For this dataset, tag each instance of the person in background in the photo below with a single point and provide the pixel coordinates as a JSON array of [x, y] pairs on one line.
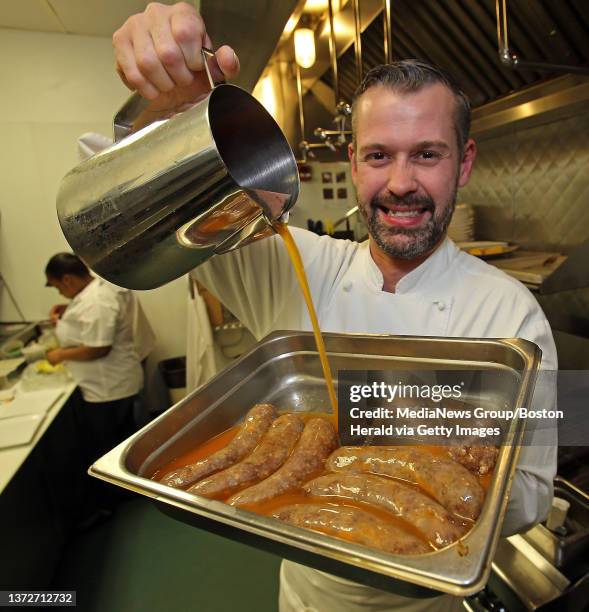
[[95, 333], [411, 151]]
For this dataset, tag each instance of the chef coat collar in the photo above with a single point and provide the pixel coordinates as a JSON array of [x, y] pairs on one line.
[[85, 290], [425, 275]]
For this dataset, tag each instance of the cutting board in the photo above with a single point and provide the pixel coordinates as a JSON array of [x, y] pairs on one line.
[[34, 402], [19, 430], [529, 266]]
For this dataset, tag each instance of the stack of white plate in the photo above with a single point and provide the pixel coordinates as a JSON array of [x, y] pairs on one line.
[[461, 227]]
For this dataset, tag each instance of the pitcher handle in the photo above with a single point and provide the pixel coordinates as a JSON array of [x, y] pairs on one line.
[[209, 53], [136, 104]]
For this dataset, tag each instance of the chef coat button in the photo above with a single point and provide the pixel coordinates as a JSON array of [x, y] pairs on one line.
[[441, 306], [347, 286]]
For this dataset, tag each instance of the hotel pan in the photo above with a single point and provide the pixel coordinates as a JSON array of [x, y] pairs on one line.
[[284, 369]]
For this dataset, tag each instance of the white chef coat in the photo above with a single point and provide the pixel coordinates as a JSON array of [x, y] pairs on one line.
[[450, 294], [143, 335], [100, 316], [200, 352]]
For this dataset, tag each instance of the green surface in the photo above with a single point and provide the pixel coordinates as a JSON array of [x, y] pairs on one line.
[[142, 560]]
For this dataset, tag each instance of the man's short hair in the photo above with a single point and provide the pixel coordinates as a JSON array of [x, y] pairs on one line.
[[410, 76], [65, 263]]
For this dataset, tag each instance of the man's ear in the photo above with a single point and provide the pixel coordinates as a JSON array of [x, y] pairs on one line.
[[353, 162], [470, 153]]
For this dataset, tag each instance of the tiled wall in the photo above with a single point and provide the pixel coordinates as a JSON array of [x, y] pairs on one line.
[[531, 187]]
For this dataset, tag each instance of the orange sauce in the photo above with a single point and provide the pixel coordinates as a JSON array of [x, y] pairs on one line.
[[206, 449], [297, 262], [268, 507]]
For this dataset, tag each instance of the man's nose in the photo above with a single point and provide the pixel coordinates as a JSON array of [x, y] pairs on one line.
[[401, 180]]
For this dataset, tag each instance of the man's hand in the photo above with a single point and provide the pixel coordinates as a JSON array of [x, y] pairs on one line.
[[56, 312], [158, 53], [55, 356]]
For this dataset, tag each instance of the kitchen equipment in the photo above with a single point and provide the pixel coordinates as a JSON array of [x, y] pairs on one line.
[[461, 228], [542, 569], [163, 200], [572, 274], [487, 248], [8, 367], [530, 267], [284, 369], [557, 514], [564, 548]]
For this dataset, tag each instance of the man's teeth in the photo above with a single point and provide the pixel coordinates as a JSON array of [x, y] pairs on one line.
[[405, 213]]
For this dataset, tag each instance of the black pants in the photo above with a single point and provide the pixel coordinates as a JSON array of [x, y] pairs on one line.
[[101, 426]]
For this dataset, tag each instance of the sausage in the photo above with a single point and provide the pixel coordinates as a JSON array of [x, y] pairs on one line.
[[268, 456], [448, 482], [354, 525], [430, 518], [255, 425], [478, 459], [317, 441]]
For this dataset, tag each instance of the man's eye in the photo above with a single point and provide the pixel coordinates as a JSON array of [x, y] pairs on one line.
[[428, 156], [375, 156]]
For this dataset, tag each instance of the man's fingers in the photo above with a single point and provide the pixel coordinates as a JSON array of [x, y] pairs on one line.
[[148, 62], [188, 32], [169, 51], [128, 70], [228, 61], [158, 53]]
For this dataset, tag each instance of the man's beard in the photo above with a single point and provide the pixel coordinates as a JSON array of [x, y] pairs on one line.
[[421, 240]]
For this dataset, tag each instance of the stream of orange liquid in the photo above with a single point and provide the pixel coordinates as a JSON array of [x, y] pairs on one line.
[[297, 262]]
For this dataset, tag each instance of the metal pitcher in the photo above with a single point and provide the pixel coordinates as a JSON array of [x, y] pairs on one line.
[[165, 199]]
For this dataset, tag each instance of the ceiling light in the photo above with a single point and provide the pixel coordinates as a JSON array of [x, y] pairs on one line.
[[304, 42]]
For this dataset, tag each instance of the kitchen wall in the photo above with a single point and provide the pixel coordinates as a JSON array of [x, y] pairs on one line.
[[531, 186], [56, 87], [326, 196]]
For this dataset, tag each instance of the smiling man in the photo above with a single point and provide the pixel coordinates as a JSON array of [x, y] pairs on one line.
[[411, 152], [408, 161]]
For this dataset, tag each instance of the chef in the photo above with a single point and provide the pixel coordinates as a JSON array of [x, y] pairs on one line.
[[410, 153], [95, 333]]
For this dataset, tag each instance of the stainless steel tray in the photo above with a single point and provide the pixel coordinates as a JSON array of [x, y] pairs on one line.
[[284, 369]]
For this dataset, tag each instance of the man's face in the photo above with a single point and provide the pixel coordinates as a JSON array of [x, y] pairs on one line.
[[406, 167], [64, 285]]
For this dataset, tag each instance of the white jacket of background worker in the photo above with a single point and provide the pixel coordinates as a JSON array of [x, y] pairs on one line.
[[451, 294]]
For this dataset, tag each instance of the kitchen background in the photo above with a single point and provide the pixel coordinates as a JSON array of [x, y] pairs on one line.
[[530, 187]]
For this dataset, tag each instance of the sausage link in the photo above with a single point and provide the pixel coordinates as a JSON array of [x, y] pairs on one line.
[[448, 482], [478, 459], [354, 525], [427, 516], [256, 423], [267, 457], [317, 441]]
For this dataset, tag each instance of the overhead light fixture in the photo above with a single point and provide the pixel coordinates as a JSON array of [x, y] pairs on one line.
[[320, 6], [304, 43]]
